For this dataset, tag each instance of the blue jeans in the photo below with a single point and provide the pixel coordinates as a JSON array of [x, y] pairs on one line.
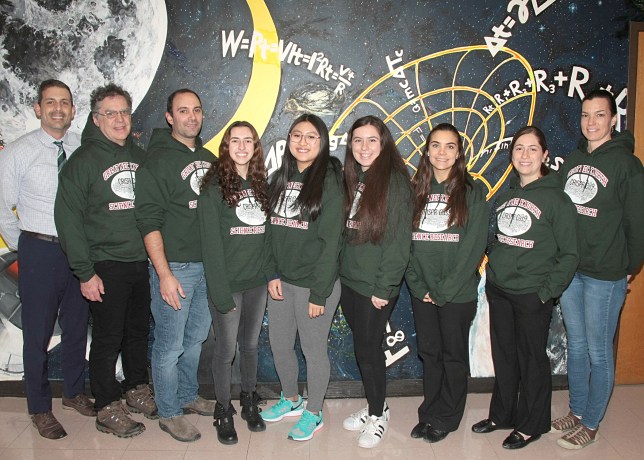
[[591, 309], [178, 336]]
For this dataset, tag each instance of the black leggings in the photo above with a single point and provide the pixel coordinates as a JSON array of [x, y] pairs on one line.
[[368, 326]]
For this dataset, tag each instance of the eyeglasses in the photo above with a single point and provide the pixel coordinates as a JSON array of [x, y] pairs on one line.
[[308, 138], [112, 114]]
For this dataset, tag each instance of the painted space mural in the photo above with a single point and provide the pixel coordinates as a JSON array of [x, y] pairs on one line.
[[487, 66]]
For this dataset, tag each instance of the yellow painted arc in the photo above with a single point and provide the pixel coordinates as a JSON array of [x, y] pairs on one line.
[[264, 85]]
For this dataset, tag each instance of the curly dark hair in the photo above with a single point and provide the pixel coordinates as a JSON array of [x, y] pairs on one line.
[[226, 174]]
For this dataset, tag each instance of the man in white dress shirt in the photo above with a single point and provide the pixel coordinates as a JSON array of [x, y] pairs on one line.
[[48, 289]]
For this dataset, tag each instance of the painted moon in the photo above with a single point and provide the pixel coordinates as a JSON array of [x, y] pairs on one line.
[[85, 43]]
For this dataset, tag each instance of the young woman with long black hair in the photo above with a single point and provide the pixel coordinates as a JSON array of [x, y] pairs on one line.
[[306, 226], [232, 209], [374, 257], [449, 239]]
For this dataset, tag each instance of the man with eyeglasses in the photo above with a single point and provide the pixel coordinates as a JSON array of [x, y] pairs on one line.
[[94, 214], [28, 183], [166, 213]]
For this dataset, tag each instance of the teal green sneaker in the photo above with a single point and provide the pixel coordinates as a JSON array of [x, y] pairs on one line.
[[308, 425], [284, 408]]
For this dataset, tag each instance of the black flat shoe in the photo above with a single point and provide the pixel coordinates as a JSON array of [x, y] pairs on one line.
[[516, 441], [420, 430], [484, 426], [434, 435]]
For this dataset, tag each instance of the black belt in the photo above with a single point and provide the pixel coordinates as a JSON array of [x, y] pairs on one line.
[[40, 236]]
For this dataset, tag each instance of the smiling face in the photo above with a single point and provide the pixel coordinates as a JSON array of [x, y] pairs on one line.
[[186, 118], [241, 148], [365, 145], [55, 111], [116, 129], [527, 157], [597, 121], [304, 144], [442, 152]]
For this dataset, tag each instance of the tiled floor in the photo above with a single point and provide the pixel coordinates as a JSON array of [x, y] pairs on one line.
[[621, 436]]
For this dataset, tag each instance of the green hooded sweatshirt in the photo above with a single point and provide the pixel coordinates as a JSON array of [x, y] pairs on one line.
[[444, 260], [607, 187], [94, 209], [377, 269], [167, 192], [306, 251], [536, 247], [235, 243]]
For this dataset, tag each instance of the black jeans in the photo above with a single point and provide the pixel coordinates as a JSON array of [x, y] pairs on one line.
[[121, 323], [368, 326], [519, 326], [443, 334]]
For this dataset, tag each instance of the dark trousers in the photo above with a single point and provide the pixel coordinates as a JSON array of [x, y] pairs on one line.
[[442, 334], [519, 325], [49, 290], [368, 326], [120, 325]]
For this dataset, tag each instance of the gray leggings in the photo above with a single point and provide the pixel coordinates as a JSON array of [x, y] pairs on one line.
[[285, 319], [243, 325]]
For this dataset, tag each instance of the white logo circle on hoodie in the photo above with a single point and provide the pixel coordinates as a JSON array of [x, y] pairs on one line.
[[434, 218], [123, 184], [249, 211], [581, 188], [195, 179], [285, 206], [514, 221]]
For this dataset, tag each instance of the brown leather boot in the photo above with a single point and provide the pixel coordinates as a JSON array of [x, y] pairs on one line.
[[115, 419], [141, 400], [47, 425]]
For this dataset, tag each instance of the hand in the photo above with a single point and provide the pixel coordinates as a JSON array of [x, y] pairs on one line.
[[315, 310], [427, 298], [170, 287], [629, 278], [92, 289], [275, 289], [378, 302]]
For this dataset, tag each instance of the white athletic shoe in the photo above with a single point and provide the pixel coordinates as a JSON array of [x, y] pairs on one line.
[[357, 420], [373, 432]]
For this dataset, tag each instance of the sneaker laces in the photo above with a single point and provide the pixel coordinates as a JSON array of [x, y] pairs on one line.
[[373, 427]]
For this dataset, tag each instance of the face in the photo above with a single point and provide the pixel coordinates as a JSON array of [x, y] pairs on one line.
[[365, 145], [116, 129], [527, 157], [186, 118], [241, 147], [55, 111], [597, 121], [443, 152], [304, 143]]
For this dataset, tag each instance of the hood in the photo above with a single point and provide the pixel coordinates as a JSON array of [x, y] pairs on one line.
[[623, 141], [551, 180], [162, 139]]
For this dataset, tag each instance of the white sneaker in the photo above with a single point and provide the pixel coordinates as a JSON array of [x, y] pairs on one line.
[[356, 421], [373, 432]]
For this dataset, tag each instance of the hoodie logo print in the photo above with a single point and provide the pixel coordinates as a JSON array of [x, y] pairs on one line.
[[249, 210], [285, 207], [435, 217]]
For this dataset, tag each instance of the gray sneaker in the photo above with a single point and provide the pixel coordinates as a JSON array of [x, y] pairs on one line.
[[115, 419], [200, 406], [140, 400], [180, 428]]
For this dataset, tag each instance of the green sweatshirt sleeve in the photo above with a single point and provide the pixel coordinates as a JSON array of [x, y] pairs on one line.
[[74, 184], [567, 258], [469, 253], [269, 267], [151, 199], [633, 220], [396, 245], [329, 235], [212, 248], [414, 283]]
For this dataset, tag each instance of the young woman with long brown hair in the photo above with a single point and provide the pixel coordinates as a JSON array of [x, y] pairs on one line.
[[450, 232], [374, 256], [232, 210]]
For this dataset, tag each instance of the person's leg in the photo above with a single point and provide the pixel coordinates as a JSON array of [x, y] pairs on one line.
[[253, 306], [532, 319], [455, 320], [503, 404], [226, 326]]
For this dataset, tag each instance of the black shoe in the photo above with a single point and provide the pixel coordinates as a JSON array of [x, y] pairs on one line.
[[434, 435], [250, 412], [420, 430], [225, 424], [484, 426], [516, 441]]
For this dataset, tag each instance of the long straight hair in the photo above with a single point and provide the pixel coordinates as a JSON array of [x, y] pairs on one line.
[[372, 209], [228, 179], [309, 201], [455, 187]]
